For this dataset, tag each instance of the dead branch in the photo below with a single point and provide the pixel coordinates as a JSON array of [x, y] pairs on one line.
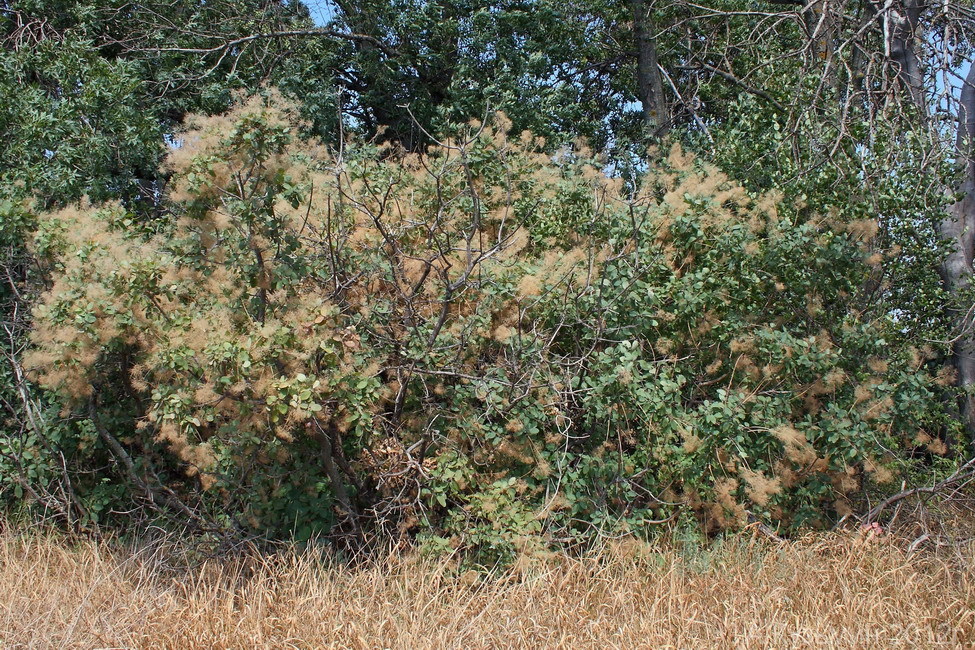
[[963, 473], [292, 33]]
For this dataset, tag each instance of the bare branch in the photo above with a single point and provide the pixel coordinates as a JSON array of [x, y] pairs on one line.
[[294, 33]]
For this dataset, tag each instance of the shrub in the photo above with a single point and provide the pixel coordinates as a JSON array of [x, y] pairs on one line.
[[485, 346]]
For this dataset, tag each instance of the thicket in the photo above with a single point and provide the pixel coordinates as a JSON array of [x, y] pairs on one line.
[[486, 346]]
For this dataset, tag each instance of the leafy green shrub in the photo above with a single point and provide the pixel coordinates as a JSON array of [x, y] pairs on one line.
[[485, 346]]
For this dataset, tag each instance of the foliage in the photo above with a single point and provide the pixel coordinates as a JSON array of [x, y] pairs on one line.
[[307, 321], [88, 100], [76, 127], [485, 345], [555, 68]]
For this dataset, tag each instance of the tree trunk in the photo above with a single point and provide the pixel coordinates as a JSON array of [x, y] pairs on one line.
[[958, 230], [901, 24], [650, 86]]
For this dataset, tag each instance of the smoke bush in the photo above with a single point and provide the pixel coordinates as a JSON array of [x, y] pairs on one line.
[[484, 346]]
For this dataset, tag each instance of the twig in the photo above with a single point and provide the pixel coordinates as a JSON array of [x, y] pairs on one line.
[[228, 45], [964, 472], [153, 494]]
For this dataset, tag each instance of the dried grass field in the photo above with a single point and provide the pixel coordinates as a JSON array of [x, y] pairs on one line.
[[823, 592]]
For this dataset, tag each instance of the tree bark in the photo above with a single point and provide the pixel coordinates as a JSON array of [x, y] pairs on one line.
[[901, 24], [958, 230], [650, 85]]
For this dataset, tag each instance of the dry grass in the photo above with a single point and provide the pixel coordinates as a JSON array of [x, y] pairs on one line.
[[825, 592]]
